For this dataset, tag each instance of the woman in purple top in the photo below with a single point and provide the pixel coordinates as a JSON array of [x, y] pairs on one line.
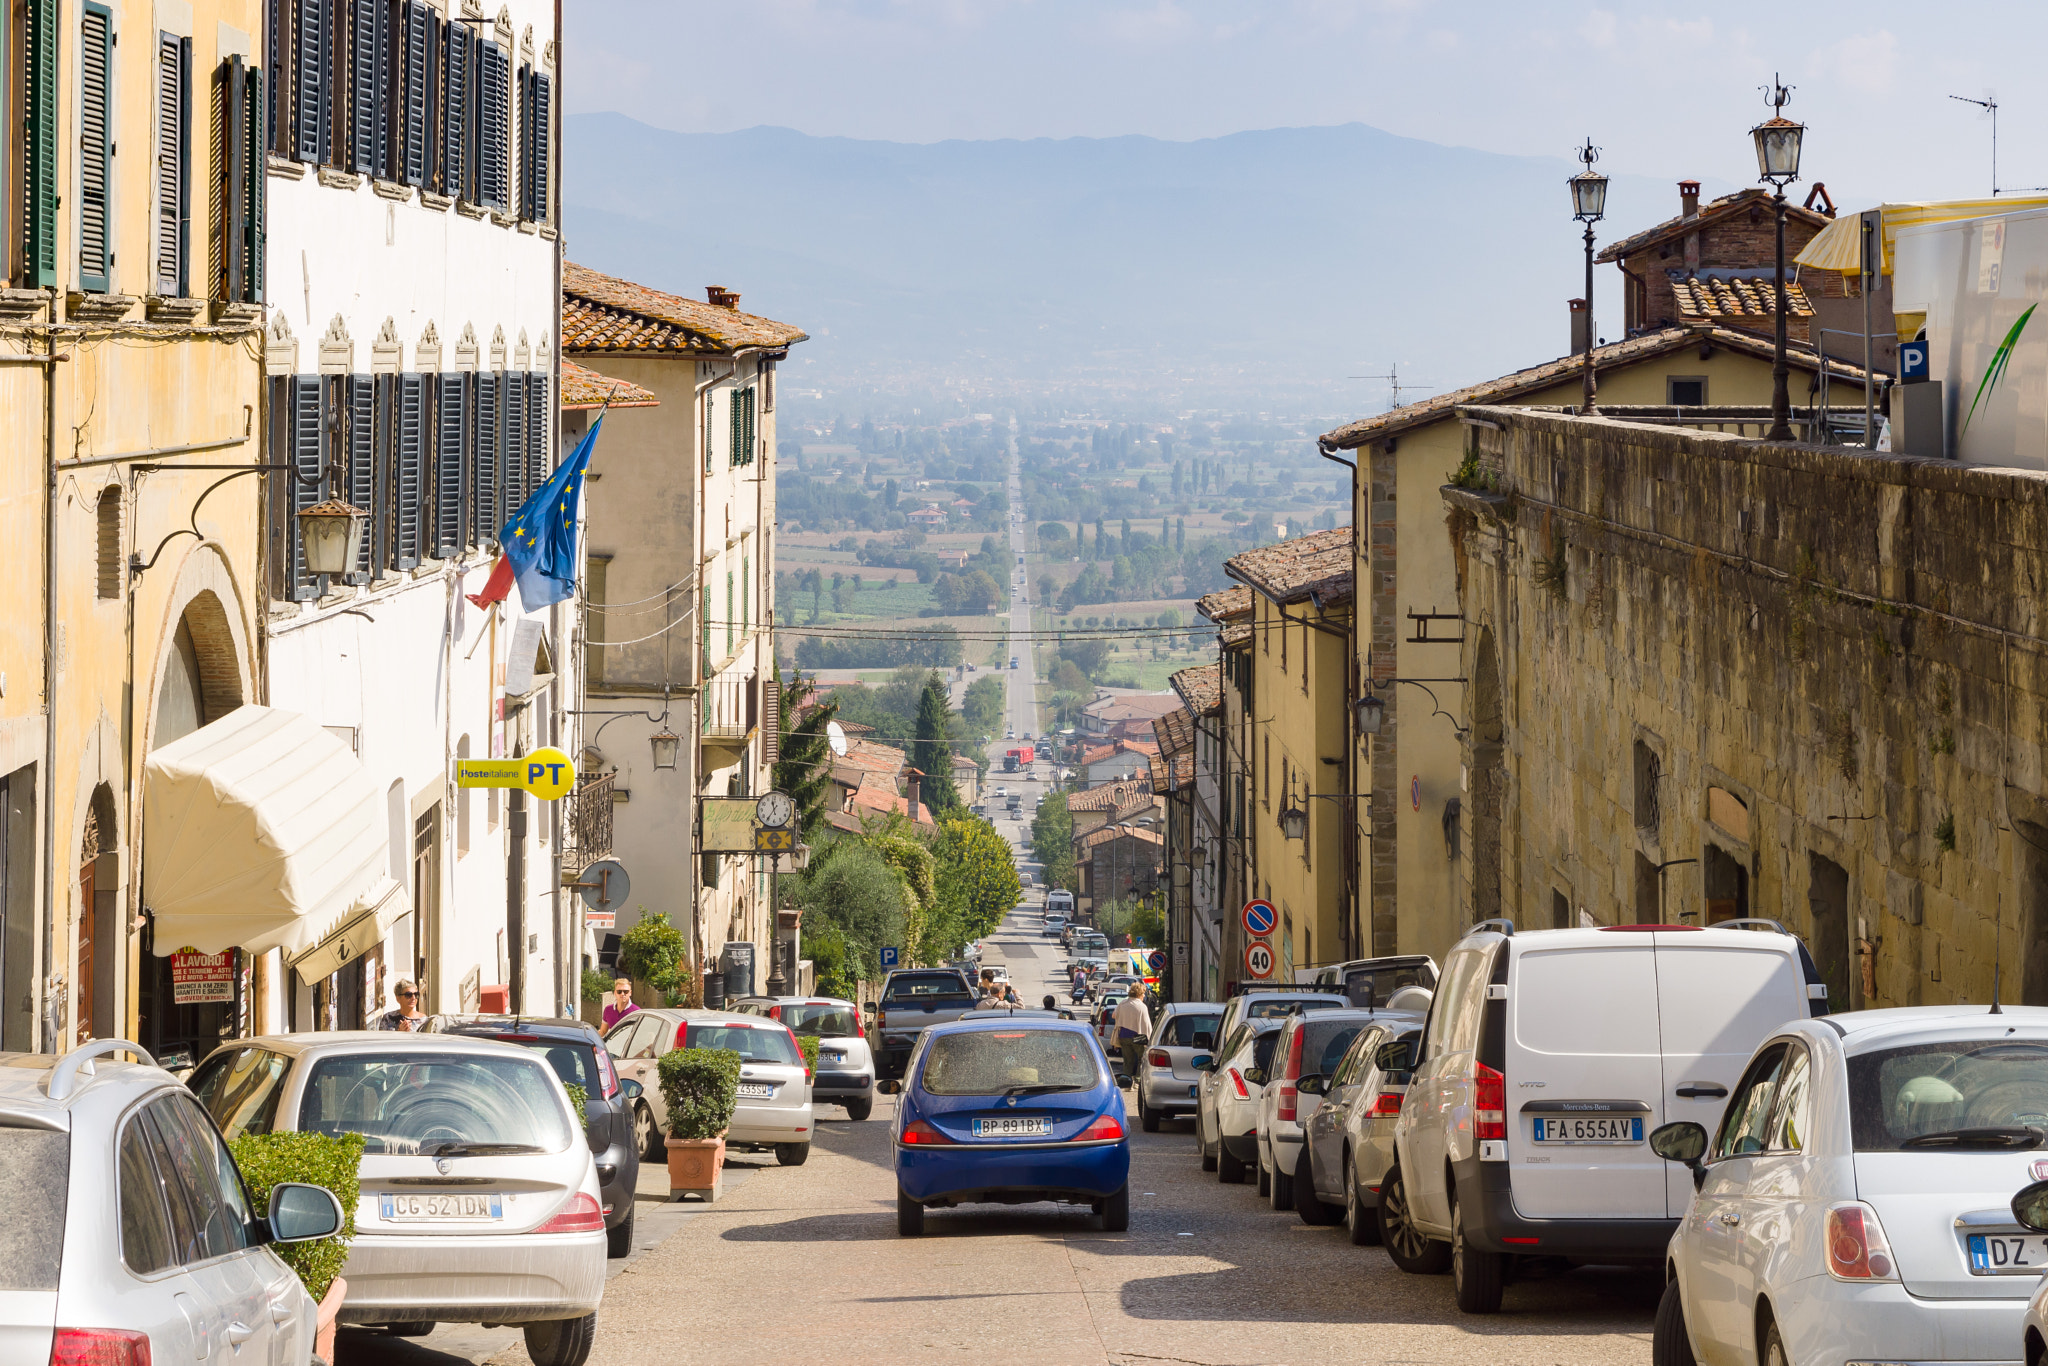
[[621, 1004]]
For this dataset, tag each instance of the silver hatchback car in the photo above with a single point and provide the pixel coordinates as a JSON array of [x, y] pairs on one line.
[[480, 1199], [128, 1223], [1167, 1081], [774, 1110]]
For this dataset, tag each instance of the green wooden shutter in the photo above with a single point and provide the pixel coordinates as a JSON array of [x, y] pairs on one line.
[[735, 422], [746, 594], [39, 148], [254, 192], [95, 74], [171, 212], [728, 612]]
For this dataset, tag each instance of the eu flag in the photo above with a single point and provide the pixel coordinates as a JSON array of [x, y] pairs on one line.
[[540, 539]]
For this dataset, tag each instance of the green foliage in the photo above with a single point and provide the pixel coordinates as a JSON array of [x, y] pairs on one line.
[[1467, 475], [1945, 833], [578, 1097], [808, 1044], [1052, 841], [701, 1087], [825, 945], [972, 594], [595, 984], [976, 862], [982, 706], [930, 753], [325, 1160], [657, 953], [851, 889], [804, 766]]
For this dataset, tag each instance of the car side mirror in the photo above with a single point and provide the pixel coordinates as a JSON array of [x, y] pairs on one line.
[[1314, 1085], [867, 1007], [1398, 1056], [1203, 1062], [630, 1089], [299, 1213], [889, 1088], [1123, 1079], [1204, 1040], [1683, 1141], [2030, 1207], [1255, 1075]]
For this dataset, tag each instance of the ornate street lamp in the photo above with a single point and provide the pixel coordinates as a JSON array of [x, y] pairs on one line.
[[1371, 712], [1294, 823], [666, 744], [1777, 162], [332, 534], [1589, 206]]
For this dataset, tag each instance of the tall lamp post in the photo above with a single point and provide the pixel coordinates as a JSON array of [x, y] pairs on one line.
[[1589, 206], [1777, 162]]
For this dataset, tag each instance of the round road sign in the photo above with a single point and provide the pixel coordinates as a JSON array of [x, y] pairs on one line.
[[1157, 960], [1258, 960], [604, 885], [1260, 918]]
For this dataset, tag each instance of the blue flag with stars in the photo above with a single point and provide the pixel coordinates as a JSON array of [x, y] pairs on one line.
[[540, 539]]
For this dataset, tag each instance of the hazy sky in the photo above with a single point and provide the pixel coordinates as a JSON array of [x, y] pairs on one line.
[[1665, 89]]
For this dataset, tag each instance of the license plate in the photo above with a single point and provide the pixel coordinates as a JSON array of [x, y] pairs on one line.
[[468, 1206], [755, 1090], [1589, 1129], [1012, 1128], [2008, 1254], [1192, 1091]]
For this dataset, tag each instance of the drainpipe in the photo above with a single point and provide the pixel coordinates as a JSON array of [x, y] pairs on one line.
[[49, 783], [695, 647], [515, 896]]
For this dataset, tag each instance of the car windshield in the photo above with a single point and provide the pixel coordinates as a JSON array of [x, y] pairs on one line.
[[1975, 1093], [1179, 1030], [35, 1171], [420, 1103], [991, 1062], [821, 1021], [573, 1062], [1370, 988], [1323, 1044], [1278, 1007], [927, 986], [1262, 1049], [751, 1043]]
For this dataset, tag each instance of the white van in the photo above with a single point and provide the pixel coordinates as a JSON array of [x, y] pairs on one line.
[[1547, 1060]]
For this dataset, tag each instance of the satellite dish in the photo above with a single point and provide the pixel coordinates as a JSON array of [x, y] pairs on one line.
[[835, 735]]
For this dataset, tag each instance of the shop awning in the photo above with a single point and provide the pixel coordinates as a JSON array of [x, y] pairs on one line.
[[1839, 245], [261, 831]]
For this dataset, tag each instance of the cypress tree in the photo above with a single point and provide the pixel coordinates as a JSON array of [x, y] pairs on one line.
[[930, 753]]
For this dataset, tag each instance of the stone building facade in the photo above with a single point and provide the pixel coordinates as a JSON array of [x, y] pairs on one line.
[[1715, 678]]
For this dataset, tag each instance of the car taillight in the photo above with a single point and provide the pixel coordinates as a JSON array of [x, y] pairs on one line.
[[774, 1012], [1104, 1127], [881, 1020], [1157, 1057], [1288, 1100], [1238, 1082], [607, 1074], [1489, 1103], [1293, 1071], [1857, 1250], [581, 1215], [917, 1131], [1386, 1103], [99, 1347], [799, 1051]]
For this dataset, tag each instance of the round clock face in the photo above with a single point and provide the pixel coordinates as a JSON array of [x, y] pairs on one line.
[[775, 810]]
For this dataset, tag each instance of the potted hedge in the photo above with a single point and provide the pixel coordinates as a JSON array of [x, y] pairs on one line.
[[700, 1087], [267, 1160]]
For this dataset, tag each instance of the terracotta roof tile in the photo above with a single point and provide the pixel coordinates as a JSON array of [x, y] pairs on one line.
[[1108, 796], [1681, 226], [1317, 565], [1201, 688], [1174, 731], [584, 389], [1235, 635], [604, 315], [1739, 297], [1109, 833], [1225, 604]]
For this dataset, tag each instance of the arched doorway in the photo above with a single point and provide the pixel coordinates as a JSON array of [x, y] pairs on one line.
[[99, 918], [201, 678]]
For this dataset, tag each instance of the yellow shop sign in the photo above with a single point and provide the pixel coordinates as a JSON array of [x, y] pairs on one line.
[[547, 773]]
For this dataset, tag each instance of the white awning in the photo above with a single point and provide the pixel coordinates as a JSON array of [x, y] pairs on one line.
[[261, 831]]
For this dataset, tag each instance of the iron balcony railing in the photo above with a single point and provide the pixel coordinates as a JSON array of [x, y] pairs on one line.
[[589, 819]]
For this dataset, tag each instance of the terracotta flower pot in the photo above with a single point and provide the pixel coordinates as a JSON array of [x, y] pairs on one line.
[[330, 1307], [696, 1166]]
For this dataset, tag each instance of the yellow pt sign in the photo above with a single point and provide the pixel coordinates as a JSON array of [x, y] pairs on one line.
[[547, 773]]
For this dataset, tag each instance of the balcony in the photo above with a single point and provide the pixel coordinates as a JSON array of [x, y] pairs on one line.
[[587, 821], [728, 717]]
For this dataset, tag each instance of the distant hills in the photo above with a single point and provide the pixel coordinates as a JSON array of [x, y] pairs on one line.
[[1251, 272]]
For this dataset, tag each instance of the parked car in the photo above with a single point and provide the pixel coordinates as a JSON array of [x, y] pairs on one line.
[[1855, 1201], [1311, 1045], [1370, 983], [1272, 1003], [773, 1113], [1227, 1098], [1167, 1081], [1012, 1110], [1627, 1027], [1055, 922], [480, 1201], [100, 1156], [576, 1052], [1351, 1134], [846, 1064], [1061, 900], [912, 1000]]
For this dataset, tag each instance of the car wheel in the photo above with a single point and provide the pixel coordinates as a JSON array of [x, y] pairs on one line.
[[1229, 1169], [618, 1239], [1279, 1185], [410, 1330], [1475, 1275], [909, 1215], [857, 1110], [1265, 1178], [1310, 1206], [1202, 1147], [1670, 1344], [561, 1342], [1360, 1221], [648, 1136], [1410, 1248], [1773, 1352], [1116, 1211], [1148, 1119], [792, 1154]]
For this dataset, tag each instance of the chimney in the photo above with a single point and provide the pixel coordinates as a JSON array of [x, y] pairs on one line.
[[721, 297], [1689, 198], [1582, 327], [910, 777]]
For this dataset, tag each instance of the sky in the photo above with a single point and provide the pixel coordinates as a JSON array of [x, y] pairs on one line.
[[1663, 89]]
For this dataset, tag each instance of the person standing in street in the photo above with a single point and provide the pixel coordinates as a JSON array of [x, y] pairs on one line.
[[1133, 1025], [408, 1018], [621, 1005]]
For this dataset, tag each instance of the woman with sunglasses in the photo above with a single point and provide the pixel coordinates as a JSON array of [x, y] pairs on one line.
[[408, 1018], [621, 1004]]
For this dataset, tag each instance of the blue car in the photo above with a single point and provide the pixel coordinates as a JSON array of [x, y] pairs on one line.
[[1010, 1110]]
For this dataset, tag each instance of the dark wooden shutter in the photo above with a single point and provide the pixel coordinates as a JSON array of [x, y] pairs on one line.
[[410, 525], [483, 483], [231, 210], [40, 114], [735, 423], [173, 101], [255, 187], [541, 141], [277, 46], [371, 54], [455, 112], [771, 721], [522, 190], [449, 504], [537, 425], [494, 73], [308, 456], [362, 468], [313, 103], [417, 107], [95, 69], [512, 443], [747, 427]]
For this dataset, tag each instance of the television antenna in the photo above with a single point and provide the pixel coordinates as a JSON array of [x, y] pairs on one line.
[[1987, 110], [1393, 381]]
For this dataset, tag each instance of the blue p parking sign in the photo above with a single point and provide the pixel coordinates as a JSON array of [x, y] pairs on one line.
[[889, 957], [1912, 362]]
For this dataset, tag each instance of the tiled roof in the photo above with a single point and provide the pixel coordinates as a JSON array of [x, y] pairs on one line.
[[1141, 706], [1108, 796], [1172, 773], [584, 389], [1225, 604], [1174, 731], [603, 315], [1611, 356], [1099, 753], [1751, 297], [1109, 833], [1739, 202], [1201, 688], [1234, 636], [1317, 565]]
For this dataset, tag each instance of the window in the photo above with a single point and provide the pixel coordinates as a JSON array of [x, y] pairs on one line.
[[746, 595], [513, 429], [239, 268], [312, 104], [484, 486], [240, 1089], [1743, 1124], [173, 136], [39, 154], [95, 147], [536, 105], [741, 420], [412, 83], [367, 486], [728, 612], [451, 434], [1689, 391], [109, 519], [369, 87], [407, 397], [1648, 771], [208, 1208], [1920, 1093], [458, 117], [1266, 775], [400, 1102], [298, 435], [710, 412], [1793, 1119], [145, 1224], [493, 125]]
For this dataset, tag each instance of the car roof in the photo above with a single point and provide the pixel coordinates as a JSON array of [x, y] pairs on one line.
[[1393, 1019], [691, 1015], [988, 1020], [25, 1080], [374, 1041], [562, 1029], [801, 1001], [1865, 1031], [1621, 936], [1187, 1007]]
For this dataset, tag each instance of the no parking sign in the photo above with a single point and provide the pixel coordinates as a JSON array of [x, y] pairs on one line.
[[1260, 918]]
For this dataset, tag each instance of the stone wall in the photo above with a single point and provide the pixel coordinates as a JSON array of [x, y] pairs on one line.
[[1768, 680]]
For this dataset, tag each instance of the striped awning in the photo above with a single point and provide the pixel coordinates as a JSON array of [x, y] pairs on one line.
[[1839, 245]]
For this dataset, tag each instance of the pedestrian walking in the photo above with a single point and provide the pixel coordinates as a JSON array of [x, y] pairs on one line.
[[1133, 1025], [408, 1018], [621, 1004]]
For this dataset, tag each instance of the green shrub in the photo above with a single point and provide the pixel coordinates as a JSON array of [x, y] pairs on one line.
[[809, 1045], [596, 985], [700, 1086], [578, 1098], [268, 1160], [656, 952]]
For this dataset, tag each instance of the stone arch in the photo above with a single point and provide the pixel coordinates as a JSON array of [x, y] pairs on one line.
[[203, 637]]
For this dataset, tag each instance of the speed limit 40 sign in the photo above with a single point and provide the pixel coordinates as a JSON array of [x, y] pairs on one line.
[[1258, 959]]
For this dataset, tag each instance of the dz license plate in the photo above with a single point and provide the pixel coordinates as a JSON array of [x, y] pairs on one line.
[[755, 1090], [471, 1207], [2008, 1254], [1589, 1129], [1012, 1128]]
